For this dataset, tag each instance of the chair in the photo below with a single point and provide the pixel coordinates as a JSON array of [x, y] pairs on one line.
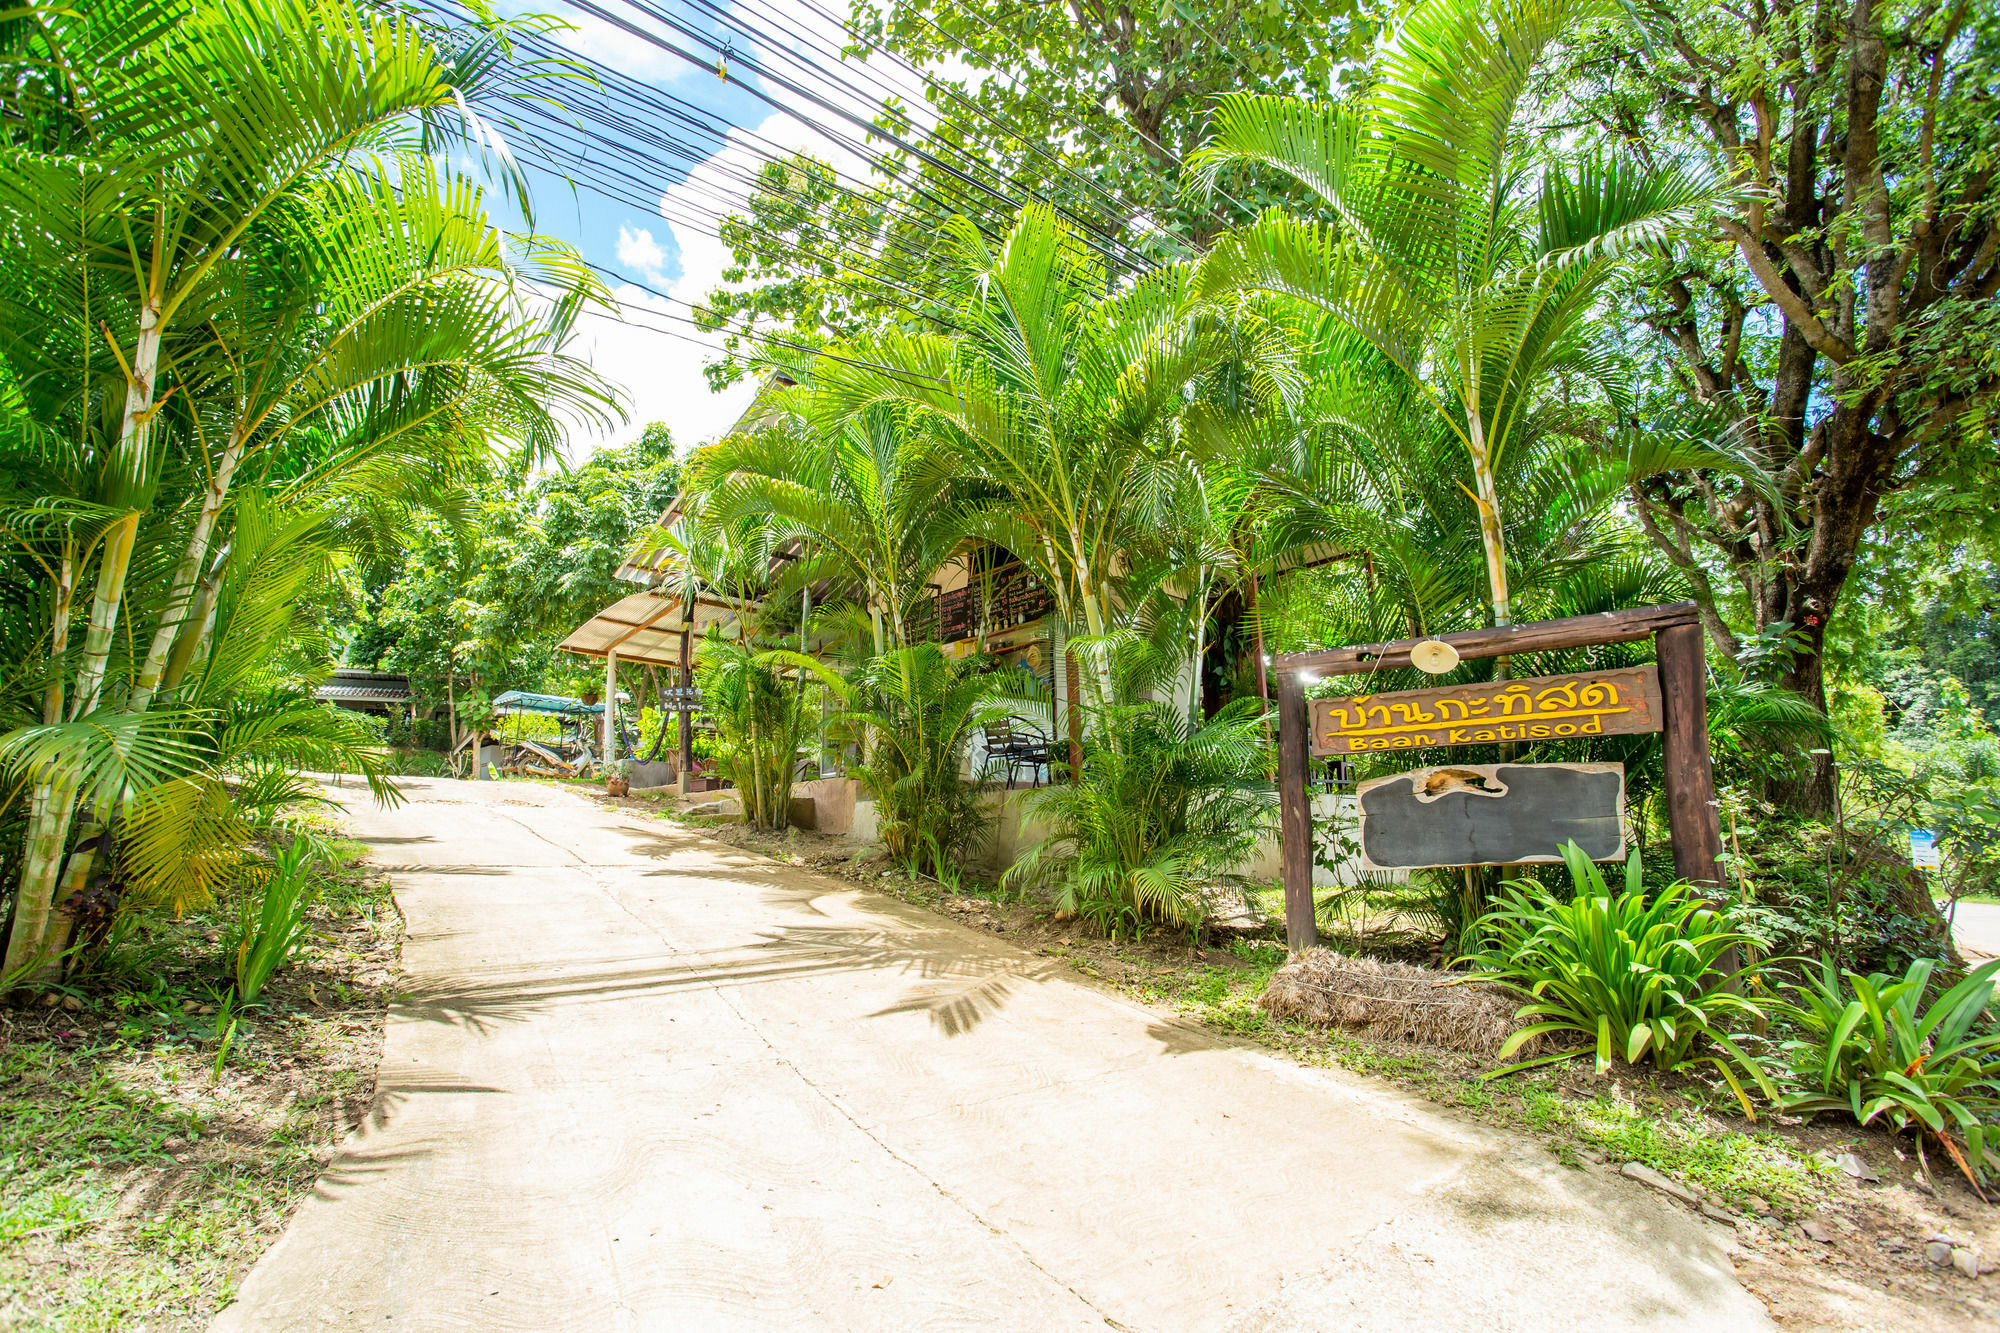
[[1014, 744]]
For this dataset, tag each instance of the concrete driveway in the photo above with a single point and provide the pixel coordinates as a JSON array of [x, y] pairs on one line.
[[644, 1081], [1975, 927]]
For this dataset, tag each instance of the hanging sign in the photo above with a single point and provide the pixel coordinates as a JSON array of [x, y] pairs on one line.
[[1491, 814], [1589, 703], [1924, 854]]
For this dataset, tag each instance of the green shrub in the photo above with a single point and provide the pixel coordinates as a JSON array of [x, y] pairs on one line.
[[271, 919], [917, 710], [1866, 1050], [1161, 808], [762, 720], [1634, 974]]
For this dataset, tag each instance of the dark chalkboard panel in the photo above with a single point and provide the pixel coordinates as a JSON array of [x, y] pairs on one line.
[[1492, 814]]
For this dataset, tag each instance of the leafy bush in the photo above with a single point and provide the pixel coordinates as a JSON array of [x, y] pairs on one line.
[[761, 719], [1161, 808], [271, 919], [424, 733], [917, 710], [1634, 973], [1866, 1050]]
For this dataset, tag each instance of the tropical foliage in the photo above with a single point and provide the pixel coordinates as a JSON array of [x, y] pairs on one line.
[[762, 717], [1870, 1047], [1639, 976], [248, 319], [1163, 806], [916, 712]]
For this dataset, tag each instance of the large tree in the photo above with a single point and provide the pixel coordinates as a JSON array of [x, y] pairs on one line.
[[1441, 233], [1839, 316], [1087, 106]]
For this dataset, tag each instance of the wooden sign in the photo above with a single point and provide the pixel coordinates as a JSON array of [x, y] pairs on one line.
[[1590, 703], [1491, 814]]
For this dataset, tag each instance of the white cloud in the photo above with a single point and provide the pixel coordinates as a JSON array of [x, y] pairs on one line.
[[648, 354], [608, 44], [658, 366], [638, 250]]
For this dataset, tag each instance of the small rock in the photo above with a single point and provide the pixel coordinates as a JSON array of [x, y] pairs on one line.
[[1965, 1261], [1646, 1175], [51, 1000], [1938, 1253], [1591, 1155], [1817, 1229], [71, 1003], [189, 1006], [1759, 1206], [1852, 1164], [1722, 1215], [174, 1145], [181, 1157], [206, 1010]]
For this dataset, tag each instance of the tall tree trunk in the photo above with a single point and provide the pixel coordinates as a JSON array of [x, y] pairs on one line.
[[52, 810], [179, 598]]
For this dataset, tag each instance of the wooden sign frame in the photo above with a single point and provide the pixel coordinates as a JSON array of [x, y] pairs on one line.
[[1623, 702], [1694, 826]]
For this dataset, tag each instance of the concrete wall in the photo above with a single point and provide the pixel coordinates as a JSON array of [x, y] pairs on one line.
[[833, 801], [1268, 863], [1014, 831]]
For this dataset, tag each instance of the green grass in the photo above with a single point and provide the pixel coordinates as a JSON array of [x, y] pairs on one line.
[[1684, 1143], [79, 1128], [100, 1227]]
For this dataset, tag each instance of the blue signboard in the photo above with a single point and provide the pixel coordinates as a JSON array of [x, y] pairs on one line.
[[1924, 853]]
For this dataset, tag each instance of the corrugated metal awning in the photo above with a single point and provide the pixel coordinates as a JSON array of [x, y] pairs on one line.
[[353, 685], [646, 627]]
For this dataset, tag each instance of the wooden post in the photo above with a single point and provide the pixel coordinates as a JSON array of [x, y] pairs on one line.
[[1295, 812], [685, 714], [610, 705], [1693, 818]]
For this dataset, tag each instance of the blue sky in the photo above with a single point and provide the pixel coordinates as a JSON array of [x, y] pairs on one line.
[[659, 373]]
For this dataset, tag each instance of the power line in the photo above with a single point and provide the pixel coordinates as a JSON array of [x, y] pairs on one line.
[[867, 128]]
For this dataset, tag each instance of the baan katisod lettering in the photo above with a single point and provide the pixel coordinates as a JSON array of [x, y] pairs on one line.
[[1519, 731]]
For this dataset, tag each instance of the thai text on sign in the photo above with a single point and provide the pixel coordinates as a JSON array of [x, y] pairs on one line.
[[1538, 708]]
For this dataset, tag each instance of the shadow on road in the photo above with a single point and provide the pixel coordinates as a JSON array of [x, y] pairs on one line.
[[790, 954]]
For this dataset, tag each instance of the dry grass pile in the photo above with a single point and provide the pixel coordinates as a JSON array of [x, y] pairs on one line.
[[1393, 1001]]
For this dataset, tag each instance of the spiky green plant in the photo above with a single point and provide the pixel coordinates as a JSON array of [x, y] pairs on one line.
[[1870, 1049], [1163, 805], [271, 918], [1634, 973]]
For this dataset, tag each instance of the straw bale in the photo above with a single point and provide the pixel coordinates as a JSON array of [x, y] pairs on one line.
[[1394, 1001]]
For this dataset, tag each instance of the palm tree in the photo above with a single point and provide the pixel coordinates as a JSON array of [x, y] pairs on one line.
[[864, 488], [206, 263], [1051, 393], [1450, 244]]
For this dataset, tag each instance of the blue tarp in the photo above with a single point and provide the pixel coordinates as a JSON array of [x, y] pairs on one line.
[[520, 701]]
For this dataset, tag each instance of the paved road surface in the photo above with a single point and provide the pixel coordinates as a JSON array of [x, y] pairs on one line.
[[645, 1081], [1976, 928]]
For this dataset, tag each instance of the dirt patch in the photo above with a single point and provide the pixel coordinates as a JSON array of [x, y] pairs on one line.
[[1393, 1001], [147, 1159]]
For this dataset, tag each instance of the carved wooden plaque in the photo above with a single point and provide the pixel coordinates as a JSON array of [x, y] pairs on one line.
[[1590, 703], [1491, 814]]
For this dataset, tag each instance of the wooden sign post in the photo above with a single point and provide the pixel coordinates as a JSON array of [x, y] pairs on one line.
[[1672, 699]]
